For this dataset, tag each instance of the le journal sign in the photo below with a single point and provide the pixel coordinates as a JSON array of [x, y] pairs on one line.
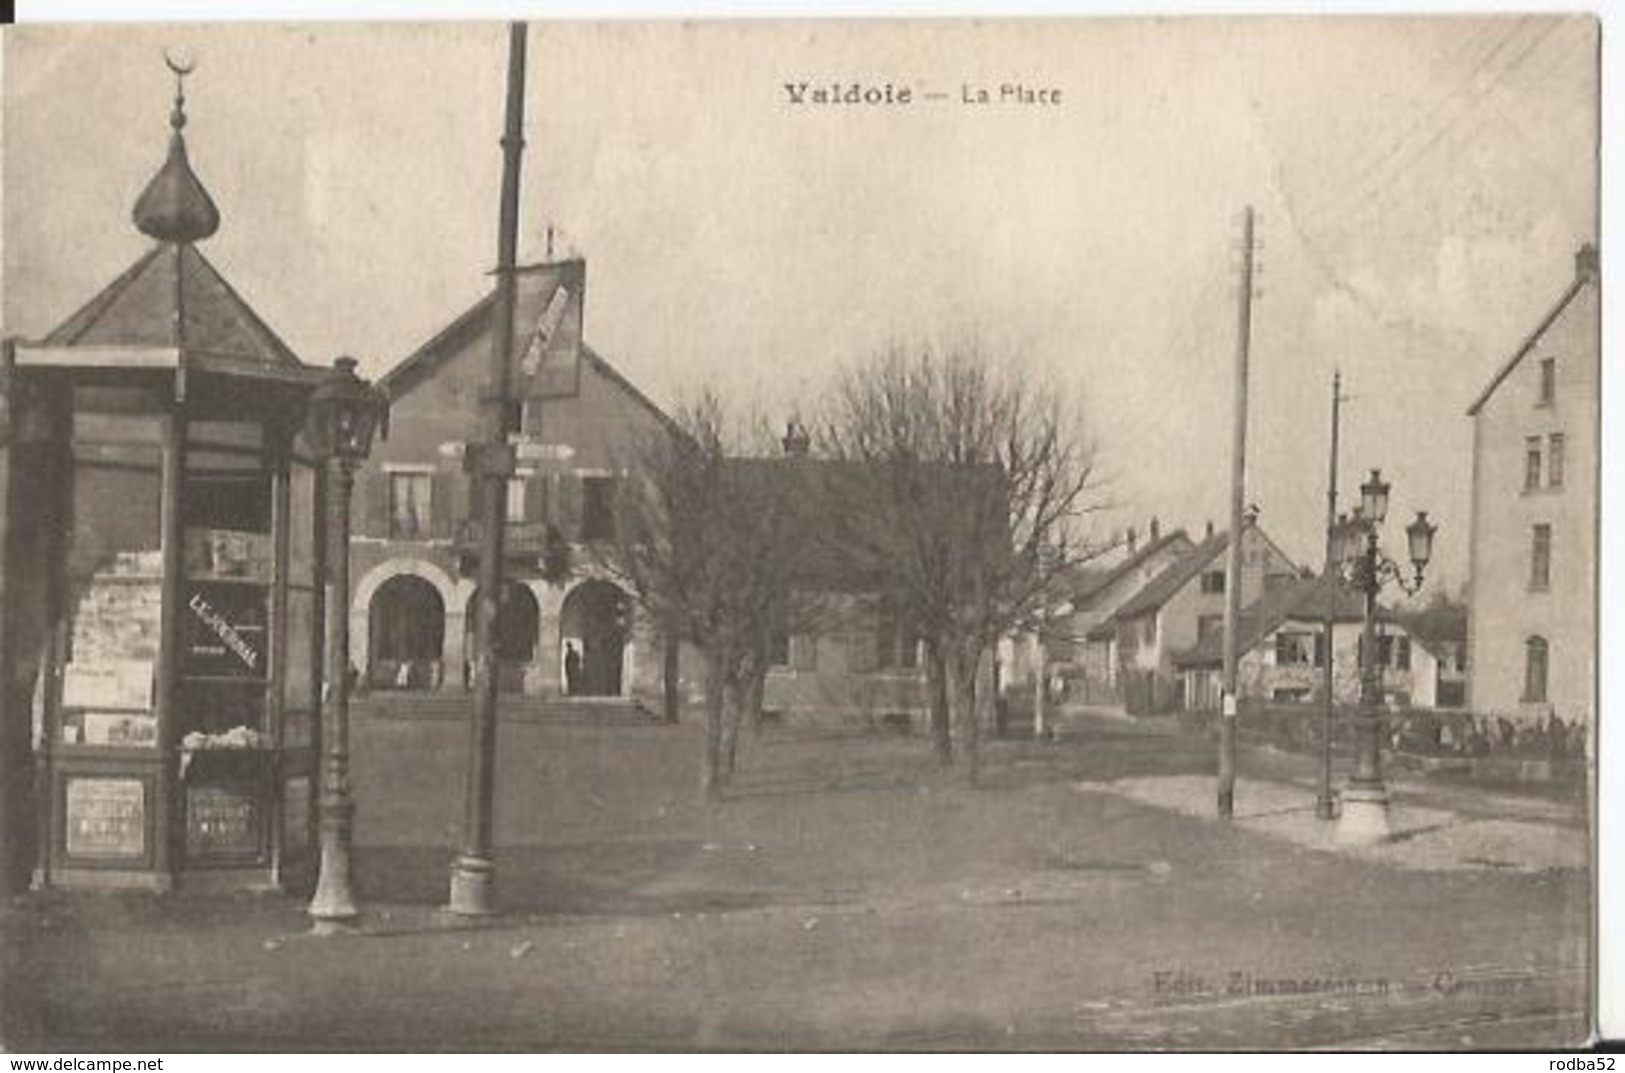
[[881, 95]]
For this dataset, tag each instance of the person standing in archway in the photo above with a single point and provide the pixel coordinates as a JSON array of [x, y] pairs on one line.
[[572, 668]]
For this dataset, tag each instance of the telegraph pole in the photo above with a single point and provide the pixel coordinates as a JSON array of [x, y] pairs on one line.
[[1238, 488], [1325, 802], [490, 465]]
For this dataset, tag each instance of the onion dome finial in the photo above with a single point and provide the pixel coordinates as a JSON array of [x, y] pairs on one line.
[[175, 207]]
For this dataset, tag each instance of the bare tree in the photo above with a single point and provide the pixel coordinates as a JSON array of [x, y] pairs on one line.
[[708, 537], [967, 488]]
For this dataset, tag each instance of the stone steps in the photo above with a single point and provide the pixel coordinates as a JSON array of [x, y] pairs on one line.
[[403, 705]]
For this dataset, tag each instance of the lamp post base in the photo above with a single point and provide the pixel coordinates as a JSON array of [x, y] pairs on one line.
[[333, 905], [473, 886], [1364, 820]]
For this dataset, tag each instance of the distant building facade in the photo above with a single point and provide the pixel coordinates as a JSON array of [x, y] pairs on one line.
[[414, 549], [1281, 651], [579, 633], [1179, 607], [855, 657], [1086, 644], [1531, 636], [1439, 655]]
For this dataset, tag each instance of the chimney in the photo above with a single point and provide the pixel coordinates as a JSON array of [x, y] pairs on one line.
[[1585, 263], [796, 440], [1156, 529], [1132, 537], [1210, 528]]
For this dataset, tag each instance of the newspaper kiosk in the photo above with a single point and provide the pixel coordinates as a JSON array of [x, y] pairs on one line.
[[176, 715]]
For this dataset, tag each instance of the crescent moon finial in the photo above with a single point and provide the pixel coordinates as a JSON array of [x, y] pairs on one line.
[[177, 116], [181, 69]]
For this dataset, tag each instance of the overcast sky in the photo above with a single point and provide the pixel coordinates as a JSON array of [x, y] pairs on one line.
[[1421, 185]]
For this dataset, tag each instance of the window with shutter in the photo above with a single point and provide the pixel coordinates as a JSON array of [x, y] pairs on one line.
[[1536, 656], [372, 494], [535, 499], [597, 508], [1540, 556], [516, 499], [569, 503], [444, 492]]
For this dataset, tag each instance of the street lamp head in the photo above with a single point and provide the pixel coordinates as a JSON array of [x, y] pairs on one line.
[[344, 412], [1374, 498], [1419, 534]]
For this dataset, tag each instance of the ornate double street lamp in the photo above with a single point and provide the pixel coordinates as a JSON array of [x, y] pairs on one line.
[[344, 411], [1362, 564]]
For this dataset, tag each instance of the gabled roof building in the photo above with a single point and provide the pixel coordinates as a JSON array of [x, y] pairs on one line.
[[1179, 606], [1531, 629]]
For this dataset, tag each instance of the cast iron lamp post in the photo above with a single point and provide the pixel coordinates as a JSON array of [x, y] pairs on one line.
[[1364, 819], [343, 414]]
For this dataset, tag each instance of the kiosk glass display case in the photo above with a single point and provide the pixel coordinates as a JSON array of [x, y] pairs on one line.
[[178, 713]]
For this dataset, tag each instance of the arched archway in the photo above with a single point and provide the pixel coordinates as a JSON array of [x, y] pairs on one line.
[[406, 632], [519, 623], [361, 617], [595, 624]]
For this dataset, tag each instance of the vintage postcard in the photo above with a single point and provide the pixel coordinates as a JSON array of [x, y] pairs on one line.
[[893, 535]]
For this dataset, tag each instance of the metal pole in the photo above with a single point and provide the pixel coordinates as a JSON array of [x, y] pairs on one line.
[[1041, 680], [15, 746], [1325, 803], [171, 500], [1238, 485], [473, 874], [333, 904], [1364, 819]]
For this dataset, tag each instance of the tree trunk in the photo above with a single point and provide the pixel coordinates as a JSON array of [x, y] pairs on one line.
[[716, 686], [961, 681], [671, 683], [936, 684], [755, 691], [734, 717]]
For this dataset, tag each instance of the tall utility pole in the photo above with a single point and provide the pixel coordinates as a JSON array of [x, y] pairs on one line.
[[1325, 802], [490, 465], [1041, 681], [1238, 489]]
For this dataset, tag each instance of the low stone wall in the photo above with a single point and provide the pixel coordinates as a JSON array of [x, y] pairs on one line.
[[1432, 741]]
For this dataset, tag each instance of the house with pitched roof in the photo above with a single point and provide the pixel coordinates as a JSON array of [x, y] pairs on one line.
[[1438, 655], [844, 651], [1178, 607], [1281, 650], [1079, 648], [1532, 626]]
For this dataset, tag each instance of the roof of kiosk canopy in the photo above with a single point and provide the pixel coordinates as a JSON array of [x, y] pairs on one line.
[[171, 310]]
